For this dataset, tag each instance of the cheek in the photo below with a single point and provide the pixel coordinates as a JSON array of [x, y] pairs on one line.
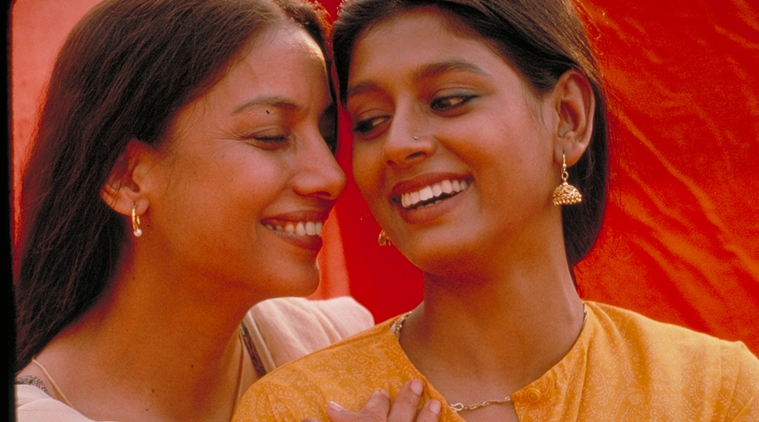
[[366, 163], [237, 184]]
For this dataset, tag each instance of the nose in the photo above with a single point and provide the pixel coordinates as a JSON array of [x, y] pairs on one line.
[[317, 172], [407, 141]]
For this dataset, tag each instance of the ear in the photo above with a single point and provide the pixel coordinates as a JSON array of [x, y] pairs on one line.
[[575, 106], [125, 186]]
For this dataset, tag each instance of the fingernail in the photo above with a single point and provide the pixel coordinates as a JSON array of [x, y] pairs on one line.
[[435, 406], [417, 387], [334, 406]]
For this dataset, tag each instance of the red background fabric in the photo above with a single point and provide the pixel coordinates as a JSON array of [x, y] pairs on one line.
[[681, 237]]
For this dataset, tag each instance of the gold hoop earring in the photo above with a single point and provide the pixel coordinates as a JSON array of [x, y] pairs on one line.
[[136, 222], [383, 239], [566, 194]]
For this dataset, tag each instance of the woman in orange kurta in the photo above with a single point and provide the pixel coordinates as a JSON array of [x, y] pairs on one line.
[[480, 145]]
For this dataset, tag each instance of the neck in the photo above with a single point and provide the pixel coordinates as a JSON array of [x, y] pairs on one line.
[[151, 344], [492, 335]]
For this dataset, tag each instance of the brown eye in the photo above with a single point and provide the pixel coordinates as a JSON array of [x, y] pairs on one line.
[[447, 103], [367, 125]]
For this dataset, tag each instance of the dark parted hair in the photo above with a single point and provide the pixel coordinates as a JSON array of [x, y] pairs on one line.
[[542, 39], [124, 73]]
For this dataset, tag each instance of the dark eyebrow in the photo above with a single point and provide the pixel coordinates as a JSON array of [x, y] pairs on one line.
[[430, 70], [361, 88], [278, 102]]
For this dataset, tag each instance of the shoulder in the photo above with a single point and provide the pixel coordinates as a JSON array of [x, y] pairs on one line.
[[346, 372], [285, 329], [342, 316], [33, 405], [342, 358], [717, 374], [627, 329]]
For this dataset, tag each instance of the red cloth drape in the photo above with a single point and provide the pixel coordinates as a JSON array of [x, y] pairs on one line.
[[681, 236]]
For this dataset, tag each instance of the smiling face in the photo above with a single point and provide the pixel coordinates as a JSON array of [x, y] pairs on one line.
[[452, 149], [245, 179]]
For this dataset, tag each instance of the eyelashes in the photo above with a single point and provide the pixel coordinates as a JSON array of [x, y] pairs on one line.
[[270, 139], [450, 102], [445, 106], [367, 125]]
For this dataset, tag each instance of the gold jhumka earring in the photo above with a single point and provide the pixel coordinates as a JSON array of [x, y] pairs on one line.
[[566, 194]]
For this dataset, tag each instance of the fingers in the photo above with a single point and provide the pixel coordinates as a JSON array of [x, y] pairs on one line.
[[378, 408], [375, 410], [406, 402], [430, 412]]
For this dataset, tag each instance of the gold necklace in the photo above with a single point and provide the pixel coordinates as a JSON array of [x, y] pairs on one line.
[[457, 407], [57, 389]]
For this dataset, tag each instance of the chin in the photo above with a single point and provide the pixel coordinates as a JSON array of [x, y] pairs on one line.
[[439, 259], [445, 255], [287, 279], [304, 283]]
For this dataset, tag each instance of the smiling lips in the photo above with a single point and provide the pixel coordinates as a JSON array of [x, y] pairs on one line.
[[432, 194], [300, 228], [428, 195]]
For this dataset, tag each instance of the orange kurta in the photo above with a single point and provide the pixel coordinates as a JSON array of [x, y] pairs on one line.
[[623, 367]]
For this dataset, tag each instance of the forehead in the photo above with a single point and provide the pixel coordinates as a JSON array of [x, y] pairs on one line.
[[416, 37], [425, 33], [283, 62], [282, 69], [284, 37]]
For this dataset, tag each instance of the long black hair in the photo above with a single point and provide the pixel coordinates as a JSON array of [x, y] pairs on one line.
[[124, 72]]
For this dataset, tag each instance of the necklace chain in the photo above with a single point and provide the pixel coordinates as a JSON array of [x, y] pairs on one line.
[[458, 407]]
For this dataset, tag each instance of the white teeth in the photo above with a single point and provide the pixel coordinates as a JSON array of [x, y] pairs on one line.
[[446, 185], [412, 199], [425, 193], [300, 228]]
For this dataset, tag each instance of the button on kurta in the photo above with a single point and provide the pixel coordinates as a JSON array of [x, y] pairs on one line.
[[533, 395]]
